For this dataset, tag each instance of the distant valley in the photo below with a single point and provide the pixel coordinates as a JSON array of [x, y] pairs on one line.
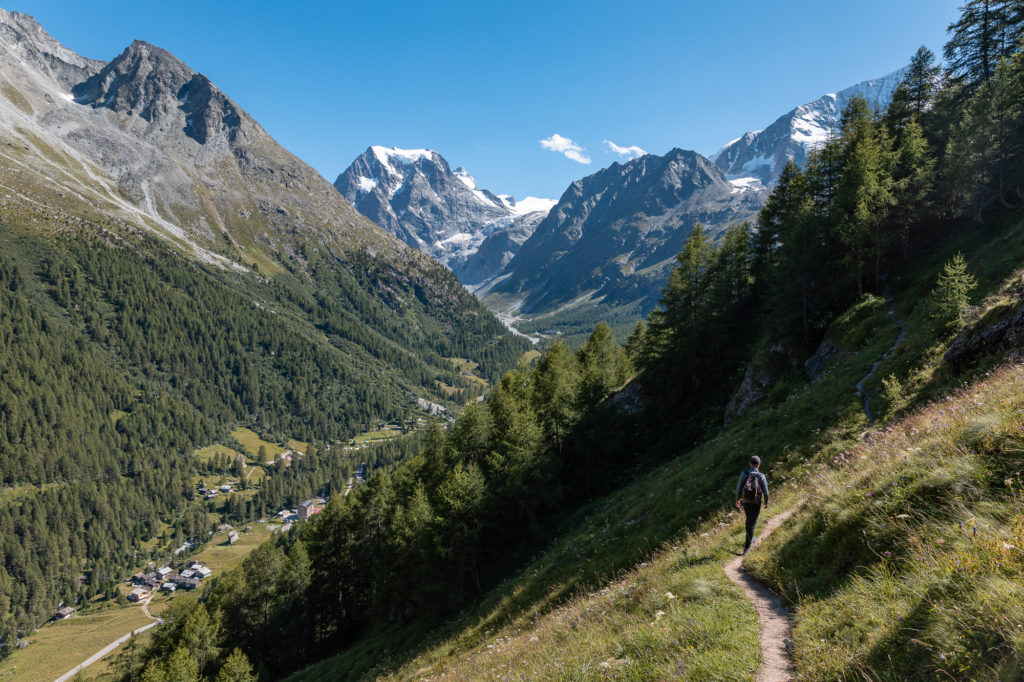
[[604, 249]]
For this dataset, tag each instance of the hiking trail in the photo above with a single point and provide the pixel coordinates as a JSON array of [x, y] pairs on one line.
[[774, 624], [895, 344]]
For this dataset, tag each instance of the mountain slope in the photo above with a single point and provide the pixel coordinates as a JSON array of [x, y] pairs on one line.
[[911, 528], [171, 273], [414, 195], [762, 154], [613, 235]]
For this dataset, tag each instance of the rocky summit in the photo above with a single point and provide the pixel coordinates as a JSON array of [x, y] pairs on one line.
[[760, 155], [150, 142], [416, 196], [614, 235]]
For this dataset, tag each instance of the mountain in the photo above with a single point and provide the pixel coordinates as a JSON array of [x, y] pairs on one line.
[[169, 274], [416, 196], [761, 154], [605, 250], [613, 236]]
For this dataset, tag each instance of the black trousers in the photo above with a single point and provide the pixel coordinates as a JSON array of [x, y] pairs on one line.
[[753, 510]]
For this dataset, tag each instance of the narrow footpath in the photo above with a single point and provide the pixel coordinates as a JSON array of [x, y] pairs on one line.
[[895, 344], [774, 623], [113, 645]]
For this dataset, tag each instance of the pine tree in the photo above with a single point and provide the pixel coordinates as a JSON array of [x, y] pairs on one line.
[[921, 80], [236, 668], [951, 296], [864, 192], [986, 32]]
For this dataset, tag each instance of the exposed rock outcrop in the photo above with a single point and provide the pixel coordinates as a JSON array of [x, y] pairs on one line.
[[1000, 331], [814, 365]]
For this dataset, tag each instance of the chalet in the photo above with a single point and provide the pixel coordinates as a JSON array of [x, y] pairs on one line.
[[203, 572], [152, 583], [139, 578], [168, 587], [187, 573], [138, 594], [232, 537], [189, 583], [163, 572], [308, 509], [225, 488], [63, 613], [212, 494]]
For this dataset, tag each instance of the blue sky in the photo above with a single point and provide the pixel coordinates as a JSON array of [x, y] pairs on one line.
[[485, 82]]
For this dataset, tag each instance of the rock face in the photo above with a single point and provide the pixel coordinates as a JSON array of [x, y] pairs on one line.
[[814, 365], [1002, 331], [415, 195], [613, 236], [149, 141], [762, 154]]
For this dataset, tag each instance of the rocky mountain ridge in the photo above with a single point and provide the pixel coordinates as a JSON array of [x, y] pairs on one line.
[[416, 196], [614, 235], [761, 154]]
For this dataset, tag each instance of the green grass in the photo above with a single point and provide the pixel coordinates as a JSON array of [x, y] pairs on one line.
[[59, 647], [220, 556], [206, 454], [376, 435], [906, 561], [252, 443], [674, 503], [670, 530]]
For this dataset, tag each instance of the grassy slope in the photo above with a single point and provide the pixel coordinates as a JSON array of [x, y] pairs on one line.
[[587, 606], [60, 646], [605, 540]]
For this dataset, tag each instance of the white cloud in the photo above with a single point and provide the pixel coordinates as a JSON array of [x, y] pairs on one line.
[[631, 152], [564, 145]]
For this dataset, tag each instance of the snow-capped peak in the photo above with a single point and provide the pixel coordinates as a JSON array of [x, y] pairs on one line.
[[402, 156], [465, 178], [527, 204], [762, 154]]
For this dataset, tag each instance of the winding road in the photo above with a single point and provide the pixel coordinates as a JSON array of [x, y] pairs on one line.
[[113, 645], [774, 623]]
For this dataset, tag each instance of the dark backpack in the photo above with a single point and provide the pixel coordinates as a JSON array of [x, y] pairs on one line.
[[751, 491]]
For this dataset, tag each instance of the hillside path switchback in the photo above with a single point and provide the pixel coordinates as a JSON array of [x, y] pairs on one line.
[[774, 623], [895, 344]]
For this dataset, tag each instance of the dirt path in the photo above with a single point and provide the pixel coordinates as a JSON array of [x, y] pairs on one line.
[[773, 620], [895, 344], [113, 645]]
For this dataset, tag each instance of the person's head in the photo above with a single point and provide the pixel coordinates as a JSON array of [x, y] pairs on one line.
[[755, 461]]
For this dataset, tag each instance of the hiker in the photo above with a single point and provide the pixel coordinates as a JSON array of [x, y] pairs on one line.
[[751, 492]]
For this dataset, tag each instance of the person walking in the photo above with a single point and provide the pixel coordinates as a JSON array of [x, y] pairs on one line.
[[751, 493]]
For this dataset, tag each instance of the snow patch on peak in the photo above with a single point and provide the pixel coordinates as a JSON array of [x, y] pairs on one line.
[[366, 184], [527, 204], [402, 156], [465, 178], [746, 184]]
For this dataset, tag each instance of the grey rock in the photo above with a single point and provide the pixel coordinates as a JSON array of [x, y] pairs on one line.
[[814, 365], [1001, 331], [762, 154], [614, 235], [415, 195], [150, 142]]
